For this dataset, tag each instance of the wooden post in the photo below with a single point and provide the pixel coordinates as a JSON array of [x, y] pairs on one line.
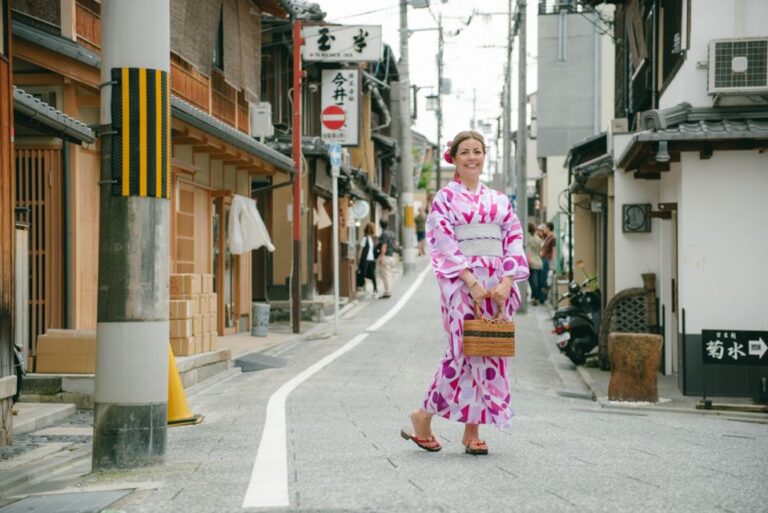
[[7, 231]]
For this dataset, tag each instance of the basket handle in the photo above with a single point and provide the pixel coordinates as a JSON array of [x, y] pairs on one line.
[[478, 315]]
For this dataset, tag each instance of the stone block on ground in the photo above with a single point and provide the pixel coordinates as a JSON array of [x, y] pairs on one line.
[[635, 359]]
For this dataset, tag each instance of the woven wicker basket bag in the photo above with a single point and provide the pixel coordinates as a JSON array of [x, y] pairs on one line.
[[489, 337]]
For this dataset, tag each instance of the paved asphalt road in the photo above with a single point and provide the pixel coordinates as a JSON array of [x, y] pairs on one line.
[[563, 453]]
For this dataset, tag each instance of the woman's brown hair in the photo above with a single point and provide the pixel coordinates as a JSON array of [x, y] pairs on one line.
[[370, 228], [463, 136]]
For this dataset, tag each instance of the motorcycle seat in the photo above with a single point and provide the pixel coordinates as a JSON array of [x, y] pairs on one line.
[[567, 310]]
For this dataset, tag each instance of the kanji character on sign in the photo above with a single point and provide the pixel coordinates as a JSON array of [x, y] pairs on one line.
[[323, 42], [736, 350], [715, 349], [360, 40], [339, 94]]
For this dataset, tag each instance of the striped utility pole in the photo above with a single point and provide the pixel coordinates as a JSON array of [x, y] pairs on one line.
[[132, 333]]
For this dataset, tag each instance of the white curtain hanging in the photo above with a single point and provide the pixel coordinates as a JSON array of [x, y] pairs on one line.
[[246, 228], [322, 219]]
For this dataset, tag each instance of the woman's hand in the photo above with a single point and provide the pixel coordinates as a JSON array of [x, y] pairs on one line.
[[477, 291], [500, 293]]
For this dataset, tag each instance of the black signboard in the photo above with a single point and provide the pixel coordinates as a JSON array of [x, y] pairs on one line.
[[734, 347]]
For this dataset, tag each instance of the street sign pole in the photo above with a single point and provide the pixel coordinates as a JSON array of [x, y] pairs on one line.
[[335, 153], [296, 269]]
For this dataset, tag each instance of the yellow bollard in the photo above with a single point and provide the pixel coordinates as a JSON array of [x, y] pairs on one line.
[[178, 409]]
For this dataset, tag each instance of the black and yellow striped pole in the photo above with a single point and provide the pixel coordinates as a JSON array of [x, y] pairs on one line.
[[131, 396], [141, 146]]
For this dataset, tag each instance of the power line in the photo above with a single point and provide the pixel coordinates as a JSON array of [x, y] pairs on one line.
[[364, 13], [603, 31]]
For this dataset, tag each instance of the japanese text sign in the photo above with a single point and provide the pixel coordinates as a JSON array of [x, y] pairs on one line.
[[339, 115], [341, 43], [735, 347]]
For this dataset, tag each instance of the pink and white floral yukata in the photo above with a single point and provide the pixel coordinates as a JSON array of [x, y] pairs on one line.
[[472, 389]]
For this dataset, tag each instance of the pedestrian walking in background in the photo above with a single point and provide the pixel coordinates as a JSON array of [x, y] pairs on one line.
[[366, 262], [547, 254], [476, 244], [421, 232], [533, 255], [386, 258]]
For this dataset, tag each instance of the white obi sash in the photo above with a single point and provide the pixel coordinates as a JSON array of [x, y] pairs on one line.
[[479, 239]]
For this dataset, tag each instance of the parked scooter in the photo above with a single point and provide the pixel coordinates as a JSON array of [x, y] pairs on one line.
[[577, 326]]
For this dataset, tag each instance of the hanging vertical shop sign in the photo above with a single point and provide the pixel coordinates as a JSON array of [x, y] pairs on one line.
[[339, 117], [341, 43]]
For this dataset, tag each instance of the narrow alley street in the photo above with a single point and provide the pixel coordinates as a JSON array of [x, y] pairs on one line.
[[563, 452]]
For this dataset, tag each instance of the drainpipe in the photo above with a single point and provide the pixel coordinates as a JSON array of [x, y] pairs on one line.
[[380, 102], [67, 228], [570, 221], [596, 78], [654, 56]]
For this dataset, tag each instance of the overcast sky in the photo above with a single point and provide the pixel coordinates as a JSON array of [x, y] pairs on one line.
[[473, 59]]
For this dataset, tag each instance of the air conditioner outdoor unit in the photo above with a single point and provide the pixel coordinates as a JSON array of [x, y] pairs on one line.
[[261, 119], [738, 66]]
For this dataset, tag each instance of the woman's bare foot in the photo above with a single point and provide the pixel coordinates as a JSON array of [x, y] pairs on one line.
[[471, 432], [422, 423]]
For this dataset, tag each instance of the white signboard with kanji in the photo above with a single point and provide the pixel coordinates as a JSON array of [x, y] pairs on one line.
[[339, 113], [341, 43]]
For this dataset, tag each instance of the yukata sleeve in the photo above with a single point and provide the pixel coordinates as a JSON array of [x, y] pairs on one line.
[[514, 263], [447, 259]]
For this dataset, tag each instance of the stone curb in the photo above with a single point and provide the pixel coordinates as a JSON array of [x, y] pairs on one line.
[[602, 399]]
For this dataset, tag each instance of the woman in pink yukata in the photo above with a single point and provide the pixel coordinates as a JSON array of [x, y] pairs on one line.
[[476, 244]]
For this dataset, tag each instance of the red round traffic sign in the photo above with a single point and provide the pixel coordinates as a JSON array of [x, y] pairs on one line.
[[333, 117]]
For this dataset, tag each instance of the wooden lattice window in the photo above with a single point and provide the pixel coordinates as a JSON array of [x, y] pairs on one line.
[[38, 188]]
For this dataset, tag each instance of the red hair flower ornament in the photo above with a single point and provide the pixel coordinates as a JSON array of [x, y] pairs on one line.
[[447, 154]]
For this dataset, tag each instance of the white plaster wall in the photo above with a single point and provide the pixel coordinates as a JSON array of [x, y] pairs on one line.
[[636, 253], [669, 192], [712, 19], [723, 241], [557, 180], [607, 70]]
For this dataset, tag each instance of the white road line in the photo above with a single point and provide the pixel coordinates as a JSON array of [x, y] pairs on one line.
[[268, 487], [403, 300]]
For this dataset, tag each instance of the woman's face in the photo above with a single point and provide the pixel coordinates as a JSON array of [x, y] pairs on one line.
[[469, 160]]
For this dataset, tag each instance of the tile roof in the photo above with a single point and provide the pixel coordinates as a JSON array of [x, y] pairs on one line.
[[202, 120], [40, 112]]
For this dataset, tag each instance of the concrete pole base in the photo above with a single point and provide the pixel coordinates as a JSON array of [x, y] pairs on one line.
[[129, 435]]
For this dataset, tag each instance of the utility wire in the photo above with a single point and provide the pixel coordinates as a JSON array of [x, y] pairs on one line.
[[603, 31], [364, 13]]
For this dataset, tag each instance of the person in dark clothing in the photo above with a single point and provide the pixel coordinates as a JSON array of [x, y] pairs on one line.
[[366, 262]]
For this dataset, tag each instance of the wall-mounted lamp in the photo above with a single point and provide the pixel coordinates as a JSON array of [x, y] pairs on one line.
[[432, 101], [662, 153]]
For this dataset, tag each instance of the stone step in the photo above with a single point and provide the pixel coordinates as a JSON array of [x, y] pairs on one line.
[[40, 464], [35, 416], [318, 309], [79, 388]]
